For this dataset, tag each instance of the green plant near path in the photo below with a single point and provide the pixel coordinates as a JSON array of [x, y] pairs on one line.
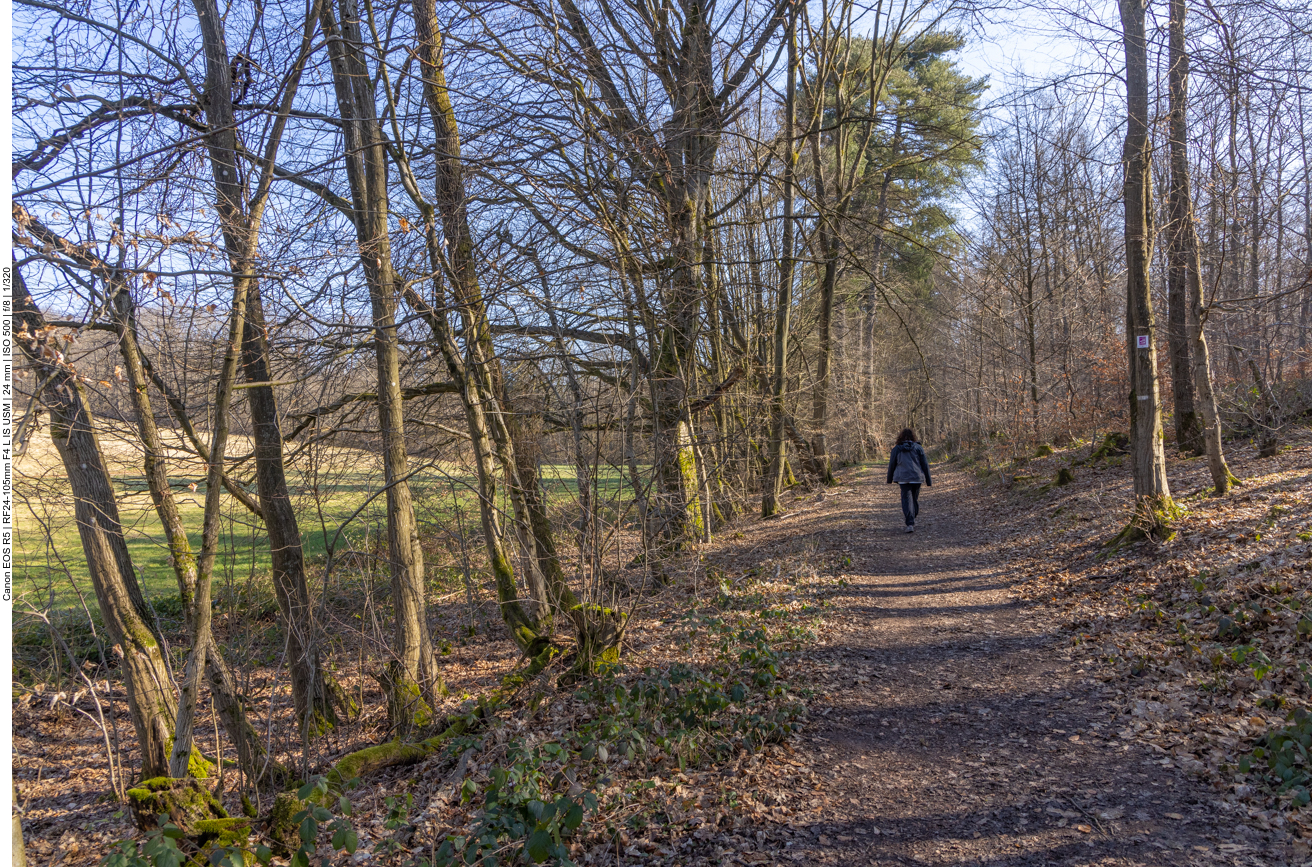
[[696, 714], [225, 843], [522, 821], [1287, 754], [218, 842], [539, 796]]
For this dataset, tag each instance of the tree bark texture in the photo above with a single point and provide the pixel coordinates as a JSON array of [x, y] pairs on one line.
[[1185, 265], [828, 243], [366, 164], [1189, 433], [1148, 454], [311, 695], [95, 509]]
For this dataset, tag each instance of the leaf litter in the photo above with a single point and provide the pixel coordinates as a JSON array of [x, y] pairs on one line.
[[1003, 692]]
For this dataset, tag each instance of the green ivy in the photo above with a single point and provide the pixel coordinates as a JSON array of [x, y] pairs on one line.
[[521, 821], [1285, 753]]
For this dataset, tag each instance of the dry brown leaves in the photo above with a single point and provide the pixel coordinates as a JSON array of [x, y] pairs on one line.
[[650, 807], [1199, 635]]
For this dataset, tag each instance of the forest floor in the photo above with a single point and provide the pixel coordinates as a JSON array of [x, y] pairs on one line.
[[992, 689], [959, 724]]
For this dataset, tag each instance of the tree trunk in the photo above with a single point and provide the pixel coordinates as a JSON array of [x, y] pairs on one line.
[[676, 505], [1031, 344], [1188, 422], [366, 163], [824, 370], [201, 608], [722, 505], [127, 619], [868, 362], [828, 244], [18, 854], [775, 473], [1268, 440], [1305, 308], [1152, 492], [311, 695], [1185, 266]]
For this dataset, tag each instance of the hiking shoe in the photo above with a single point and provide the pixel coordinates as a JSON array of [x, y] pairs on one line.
[[911, 528]]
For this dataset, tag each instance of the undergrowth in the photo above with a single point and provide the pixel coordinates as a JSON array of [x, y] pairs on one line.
[[539, 796]]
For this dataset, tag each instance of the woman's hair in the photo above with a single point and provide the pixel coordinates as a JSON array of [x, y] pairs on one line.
[[907, 436]]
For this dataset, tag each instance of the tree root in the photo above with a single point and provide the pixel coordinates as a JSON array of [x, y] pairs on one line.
[[392, 754], [1154, 519], [1232, 481]]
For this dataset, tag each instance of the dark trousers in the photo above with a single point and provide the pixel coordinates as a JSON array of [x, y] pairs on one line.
[[910, 501]]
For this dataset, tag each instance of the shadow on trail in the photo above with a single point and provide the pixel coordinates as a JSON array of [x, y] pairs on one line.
[[926, 610], [946, 727], [982, 651], [888, 588], [944, 833]]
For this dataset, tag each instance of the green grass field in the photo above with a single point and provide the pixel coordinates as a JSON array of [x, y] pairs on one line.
[[50, 566]]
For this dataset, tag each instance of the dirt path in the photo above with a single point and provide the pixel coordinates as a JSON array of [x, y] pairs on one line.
[[961, 727]]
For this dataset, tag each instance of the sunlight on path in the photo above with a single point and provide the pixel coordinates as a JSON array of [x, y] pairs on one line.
[[964, 729]]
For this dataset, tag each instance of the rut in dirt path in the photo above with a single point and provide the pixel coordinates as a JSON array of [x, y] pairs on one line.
[[963, 728]]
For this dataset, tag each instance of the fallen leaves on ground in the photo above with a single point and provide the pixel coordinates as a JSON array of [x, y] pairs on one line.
[[1204, 637]]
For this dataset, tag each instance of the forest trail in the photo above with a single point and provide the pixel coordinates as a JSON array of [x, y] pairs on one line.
[[961, 726]]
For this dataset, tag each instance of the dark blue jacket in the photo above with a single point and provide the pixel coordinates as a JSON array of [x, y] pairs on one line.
[[913, 462]]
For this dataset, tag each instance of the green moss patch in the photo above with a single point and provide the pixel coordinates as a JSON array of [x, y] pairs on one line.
[[280, 825], [183, 802], [223, 832], [390, 754]]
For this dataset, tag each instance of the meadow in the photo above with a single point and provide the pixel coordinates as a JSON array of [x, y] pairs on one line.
[[337, 494]]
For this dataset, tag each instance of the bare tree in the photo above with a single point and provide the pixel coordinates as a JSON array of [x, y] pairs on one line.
[[241, 211], [73, 430], [475, 369], [784, 299], [1151, 489], [1186, 278], [367, 164]]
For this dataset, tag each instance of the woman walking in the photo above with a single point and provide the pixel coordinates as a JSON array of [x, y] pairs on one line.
[[909, 467]]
